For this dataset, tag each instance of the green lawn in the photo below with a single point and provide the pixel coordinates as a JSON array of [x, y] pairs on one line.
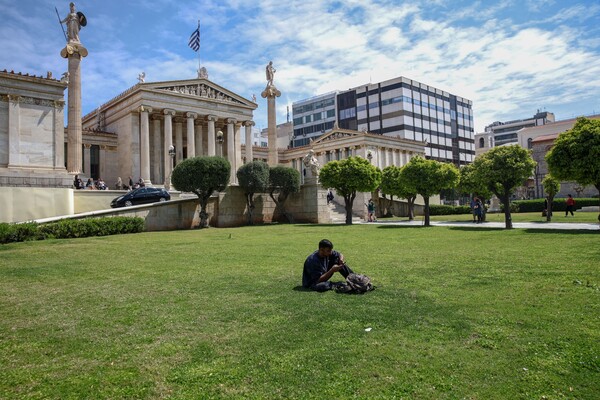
[[458, 313], [581, 217]]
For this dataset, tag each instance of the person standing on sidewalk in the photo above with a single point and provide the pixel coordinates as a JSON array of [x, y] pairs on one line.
[[570, 205]]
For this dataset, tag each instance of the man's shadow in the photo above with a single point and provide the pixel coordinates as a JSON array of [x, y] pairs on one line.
[[301, 288]]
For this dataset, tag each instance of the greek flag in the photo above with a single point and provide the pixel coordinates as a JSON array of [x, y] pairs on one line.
[[194, 42]]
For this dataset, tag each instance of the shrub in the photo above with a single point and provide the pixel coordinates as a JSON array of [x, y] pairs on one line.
[[70, 228], [514, 207], [19, 232], [435, 209], [558, 204]]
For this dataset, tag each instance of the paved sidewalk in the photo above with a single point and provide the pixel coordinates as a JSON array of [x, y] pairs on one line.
[[498, 225]]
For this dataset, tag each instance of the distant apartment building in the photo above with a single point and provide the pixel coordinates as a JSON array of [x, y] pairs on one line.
[[284, 135], [313, 117], [503, 133], [401, 108]]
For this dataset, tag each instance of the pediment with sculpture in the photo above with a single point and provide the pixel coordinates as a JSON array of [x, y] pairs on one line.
[[200, 88]]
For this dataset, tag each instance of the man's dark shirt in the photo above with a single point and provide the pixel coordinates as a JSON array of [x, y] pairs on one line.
[[314, 267]]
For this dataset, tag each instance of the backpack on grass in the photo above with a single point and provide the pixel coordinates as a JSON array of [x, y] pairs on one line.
[[355, 283]]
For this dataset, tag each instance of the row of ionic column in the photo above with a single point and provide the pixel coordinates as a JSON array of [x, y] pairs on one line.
[[194, 141]]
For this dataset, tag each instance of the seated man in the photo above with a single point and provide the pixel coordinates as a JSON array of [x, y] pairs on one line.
[[320, 266]]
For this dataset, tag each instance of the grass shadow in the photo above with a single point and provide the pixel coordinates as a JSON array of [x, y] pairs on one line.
[[563, 231]]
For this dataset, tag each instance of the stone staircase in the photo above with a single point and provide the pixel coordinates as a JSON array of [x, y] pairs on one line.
[[338, 214]]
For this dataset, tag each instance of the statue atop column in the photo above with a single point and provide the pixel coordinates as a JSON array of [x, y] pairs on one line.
[[74, 52], [270, 72], [271, 93], [74, 21]]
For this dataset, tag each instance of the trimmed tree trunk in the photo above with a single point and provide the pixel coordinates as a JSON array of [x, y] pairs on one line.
[[549, 209], [280, 212], [411, 207], [250, 205], [349, 202], [505, 199], [203, 214], [426, 211]]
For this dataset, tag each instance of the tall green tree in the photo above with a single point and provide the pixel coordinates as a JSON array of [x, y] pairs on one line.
[[202, 176], [429, 177], [575, 155], [394, 182], [253, 178], [349, 176], [502, 169], [473, 185], [283, 181], [551, 187]]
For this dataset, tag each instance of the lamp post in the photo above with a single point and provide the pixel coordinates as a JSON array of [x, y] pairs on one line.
[[172, 155], [220, 140]]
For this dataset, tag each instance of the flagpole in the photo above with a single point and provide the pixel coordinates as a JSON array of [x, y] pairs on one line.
[[199, 50]]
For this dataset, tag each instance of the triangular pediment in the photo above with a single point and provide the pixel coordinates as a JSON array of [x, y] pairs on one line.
[[199, 88], [338, 133]]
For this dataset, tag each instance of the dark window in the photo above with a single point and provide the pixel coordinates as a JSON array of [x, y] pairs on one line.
[[95, 161], [481, 143]]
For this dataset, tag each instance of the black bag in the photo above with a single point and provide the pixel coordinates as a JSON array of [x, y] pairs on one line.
[[355, 283]]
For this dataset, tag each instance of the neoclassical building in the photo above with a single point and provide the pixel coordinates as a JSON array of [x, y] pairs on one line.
[[130, 135]]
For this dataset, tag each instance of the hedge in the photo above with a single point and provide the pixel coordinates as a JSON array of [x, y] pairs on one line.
[[439, 209], [70, 228], [559, 204]]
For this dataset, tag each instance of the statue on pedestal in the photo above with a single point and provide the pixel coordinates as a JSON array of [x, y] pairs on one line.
[[270, 72], [311, 164], [74, 21]]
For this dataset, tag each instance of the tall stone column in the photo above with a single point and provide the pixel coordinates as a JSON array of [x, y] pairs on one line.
[[74, 52], [59, 135], [169, 114], [249, 151], [14, 122], [191, 138], [211, 151], [271, 93], [199, 140], [87, 159], [145, 144], [237, 146], [156, 147], [178, 140], [231, 147]]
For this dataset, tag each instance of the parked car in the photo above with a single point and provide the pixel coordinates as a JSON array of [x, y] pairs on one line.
[[142, 195]]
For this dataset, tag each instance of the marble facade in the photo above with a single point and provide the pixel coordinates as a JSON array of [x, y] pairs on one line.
[[32, 131], [189, 115]]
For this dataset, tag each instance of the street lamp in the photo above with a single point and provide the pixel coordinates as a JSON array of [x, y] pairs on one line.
[[172, 155], [220, 140]]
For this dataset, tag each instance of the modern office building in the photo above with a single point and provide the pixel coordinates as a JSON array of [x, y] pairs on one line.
[[502, 133], [313, 117], [399, 107]]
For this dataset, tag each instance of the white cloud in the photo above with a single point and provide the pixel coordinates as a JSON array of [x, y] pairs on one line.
[[506, 65]]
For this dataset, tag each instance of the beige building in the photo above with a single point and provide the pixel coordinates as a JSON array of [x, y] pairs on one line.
[[540, 140], [196, 117], [132, 135], [32, 131]]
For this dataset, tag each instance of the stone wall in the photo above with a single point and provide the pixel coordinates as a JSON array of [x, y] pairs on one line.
[[26, 204], [307, 206]]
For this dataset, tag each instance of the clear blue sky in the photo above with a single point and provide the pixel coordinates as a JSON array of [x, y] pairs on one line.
[[509, 57]]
